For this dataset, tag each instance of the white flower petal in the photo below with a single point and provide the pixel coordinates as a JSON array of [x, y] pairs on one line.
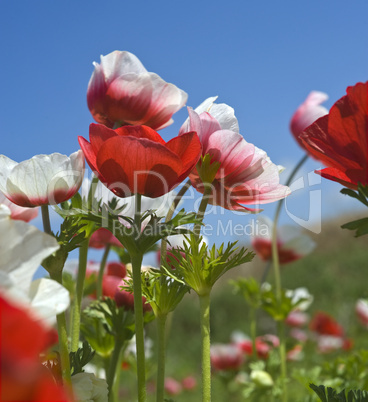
[[48, 298], [22, 249]]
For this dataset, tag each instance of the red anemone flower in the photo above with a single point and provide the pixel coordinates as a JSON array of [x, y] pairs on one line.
[[136, 160], [340, 139]]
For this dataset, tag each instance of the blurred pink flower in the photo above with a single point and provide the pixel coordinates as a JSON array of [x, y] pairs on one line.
[[189, 383], [295, 354], [103, 237], [122, 91], [307, 113], [264, 344], [226, 357], [172, 387], [246, 174], [297, 318], [292, 244], [361, 309]]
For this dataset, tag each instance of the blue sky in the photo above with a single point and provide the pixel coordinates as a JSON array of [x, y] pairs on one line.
[[262, 58]]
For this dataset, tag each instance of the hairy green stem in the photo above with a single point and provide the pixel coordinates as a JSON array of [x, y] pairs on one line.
[[161, 346], [204, 302], [139, 326], [253, 331], [60, 318], [276, 267], [113, 367], [76, 318], [136, 260], [63, 338], [170, 214], [101, 271], [202, 208]]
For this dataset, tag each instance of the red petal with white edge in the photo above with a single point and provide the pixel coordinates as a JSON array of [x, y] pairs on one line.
[[188, 148], [132, 166]]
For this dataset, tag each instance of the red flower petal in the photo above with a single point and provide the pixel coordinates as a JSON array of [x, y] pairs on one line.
[[340, 140], [140, 132], [188, 147], [132, 166]]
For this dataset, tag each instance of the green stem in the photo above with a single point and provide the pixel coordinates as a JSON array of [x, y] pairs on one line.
[[202, 208], [83, 253], [46, 219], [161, 346], [276, 267], [253, 331], [60, 318], [101, 271], [278, 210], [204, 302], [113, 366], [63, 338], [139, 326], [281, 332], [170, 214], [136, 260]]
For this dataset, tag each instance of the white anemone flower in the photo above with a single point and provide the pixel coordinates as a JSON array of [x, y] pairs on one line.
[[22, 249], [41, 180]]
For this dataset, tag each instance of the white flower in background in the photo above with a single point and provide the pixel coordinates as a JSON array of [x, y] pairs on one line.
[[101, 193], [292, 244], [17, 212], [300, 294], [261, 378], [41, 180], [88, 388], [22, 249]]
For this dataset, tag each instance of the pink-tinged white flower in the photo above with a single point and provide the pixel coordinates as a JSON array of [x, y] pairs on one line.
[[330, 343], [297, 318], [121, 91], [292, 243], [307, 113], [23, 248], [41, 180], [17, 212], [172, 386], [361, 309], [299, 334], [226, 357], [246, 174]]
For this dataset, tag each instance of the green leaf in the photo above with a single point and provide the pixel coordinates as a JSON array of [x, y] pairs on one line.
[[80, 358], [360, 226]]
